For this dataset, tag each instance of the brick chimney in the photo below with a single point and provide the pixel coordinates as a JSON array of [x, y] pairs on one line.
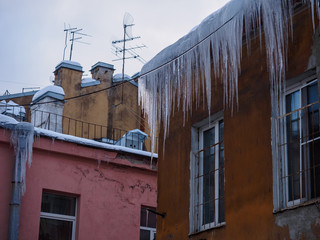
[[68, 75], [103, 72]]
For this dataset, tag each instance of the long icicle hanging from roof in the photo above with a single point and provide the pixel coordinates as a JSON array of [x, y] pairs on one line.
[[178, 72]]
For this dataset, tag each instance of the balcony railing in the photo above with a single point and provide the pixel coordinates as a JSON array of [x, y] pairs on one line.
[[135, 139]]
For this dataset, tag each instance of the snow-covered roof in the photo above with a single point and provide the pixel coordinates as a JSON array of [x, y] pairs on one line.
[[136, 75], [215, 46], [92, 143], [198, 33], [87, 82], [12, 108], [118, 77], [136, 132], [69, 64], [7, 120], [3, 104], [16, 95], [49, 91], [4, 120], [102, 64]]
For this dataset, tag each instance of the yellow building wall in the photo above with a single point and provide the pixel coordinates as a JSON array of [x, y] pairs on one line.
[[116, 107]]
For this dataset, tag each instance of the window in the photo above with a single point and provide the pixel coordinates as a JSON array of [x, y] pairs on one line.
[[207, 177], [147, 224], [299, 145], [58, 217]]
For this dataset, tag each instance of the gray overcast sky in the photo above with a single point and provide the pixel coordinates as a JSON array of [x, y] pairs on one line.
[[32, 36]]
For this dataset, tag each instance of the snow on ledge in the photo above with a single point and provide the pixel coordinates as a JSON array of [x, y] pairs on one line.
[[88, 82], [71, 63], [91, 143], [7, 120], [52, 89]]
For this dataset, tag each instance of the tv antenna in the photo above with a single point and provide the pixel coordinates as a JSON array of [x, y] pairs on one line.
[[73, 32], [127, 36], [67, 30]]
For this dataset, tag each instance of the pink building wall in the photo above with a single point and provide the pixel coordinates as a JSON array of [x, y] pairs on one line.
[[109, 195]]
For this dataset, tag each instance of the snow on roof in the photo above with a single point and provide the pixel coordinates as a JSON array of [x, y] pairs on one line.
[[17, 95], [7, 120], [136, 132], [92, 143], [69, 64], [216, 46], [137, 74], [55, 90], [118, 77], [3, 104], [102, 64], [87, 82], [4, 120], [12, 108], [199, 32]]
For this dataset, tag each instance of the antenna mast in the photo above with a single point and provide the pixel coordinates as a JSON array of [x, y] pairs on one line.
[[72, 32], [66, 39], [127, 36]]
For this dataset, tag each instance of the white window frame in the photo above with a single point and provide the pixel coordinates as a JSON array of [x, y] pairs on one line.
[[196, 184], [62, 217], [284, 189], [150, 229]]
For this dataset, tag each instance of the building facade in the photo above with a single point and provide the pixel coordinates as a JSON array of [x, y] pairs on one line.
[[248, 170], [75, 188]]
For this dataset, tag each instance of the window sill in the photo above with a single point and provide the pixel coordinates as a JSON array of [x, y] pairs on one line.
[[311, 202], [220, 225]]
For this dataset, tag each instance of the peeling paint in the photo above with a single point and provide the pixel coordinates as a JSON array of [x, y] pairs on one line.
[[300, 222], [142, 186]]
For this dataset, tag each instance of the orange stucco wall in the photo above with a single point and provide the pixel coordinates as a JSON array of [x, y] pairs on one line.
[[109, 195], [248, 154], [116, 107]]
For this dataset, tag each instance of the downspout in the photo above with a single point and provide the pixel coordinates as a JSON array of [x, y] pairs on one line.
[[20, 138]]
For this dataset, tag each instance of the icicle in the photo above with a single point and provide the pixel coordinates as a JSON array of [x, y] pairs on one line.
[[22, 141], [186, 65]]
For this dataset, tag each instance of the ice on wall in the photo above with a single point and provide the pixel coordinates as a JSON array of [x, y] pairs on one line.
[[176, 74], [22, 141]]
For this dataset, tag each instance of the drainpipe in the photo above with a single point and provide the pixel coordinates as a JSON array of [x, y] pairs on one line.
[[19, 139]]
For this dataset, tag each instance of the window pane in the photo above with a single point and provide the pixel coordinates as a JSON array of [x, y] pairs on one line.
[[152, 220], [58, 204], [209, 175], [293, 145], [209, 140], [208, 213], [147, 218], [221, 173], [52, 229], [143, 217], [314, 146], [144, 234]]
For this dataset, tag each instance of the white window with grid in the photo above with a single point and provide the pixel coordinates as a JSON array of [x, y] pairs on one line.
[[57, 217], [298, 145], [207, 177]]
